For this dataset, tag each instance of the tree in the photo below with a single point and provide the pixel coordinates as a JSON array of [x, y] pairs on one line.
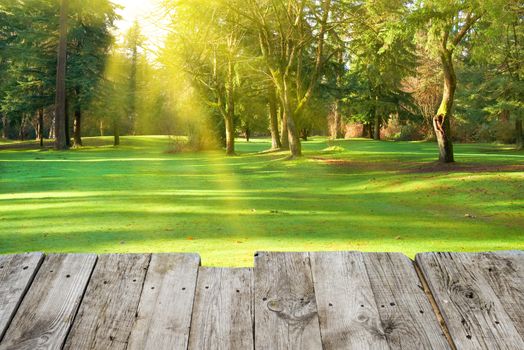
[[449, 25], [381, 56], [207, 39], [60, 104], [29, 61], [425, 89], [499, 56], [273, 108], [291, 36], [89, 41]]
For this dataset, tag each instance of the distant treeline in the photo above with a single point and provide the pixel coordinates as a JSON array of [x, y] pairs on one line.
[[405, 70]]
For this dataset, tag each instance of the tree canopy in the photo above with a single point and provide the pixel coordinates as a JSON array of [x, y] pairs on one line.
[[443, 70]]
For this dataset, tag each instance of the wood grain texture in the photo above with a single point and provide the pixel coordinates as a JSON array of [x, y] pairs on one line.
[[108, 310], [48, 309], [164, 312], [347, 311], [16, 274], [472, 310], [406, 315], [222, 312], [504, 271], [285, 305]]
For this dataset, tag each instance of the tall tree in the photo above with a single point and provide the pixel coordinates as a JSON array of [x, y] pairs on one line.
[[89, 41], [292, 36], [499, 55], [207, 39], [381, 56], [449, 25], [60, 109]]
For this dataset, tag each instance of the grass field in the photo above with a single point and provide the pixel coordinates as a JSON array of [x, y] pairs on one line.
[[349, 195]]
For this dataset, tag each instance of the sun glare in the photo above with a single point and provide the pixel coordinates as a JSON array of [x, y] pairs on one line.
[[150, 16]]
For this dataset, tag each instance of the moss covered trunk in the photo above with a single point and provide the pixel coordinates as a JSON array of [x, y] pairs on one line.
[[441, 121]]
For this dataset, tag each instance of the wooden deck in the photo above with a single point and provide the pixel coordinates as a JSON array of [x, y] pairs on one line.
[[325, 300]]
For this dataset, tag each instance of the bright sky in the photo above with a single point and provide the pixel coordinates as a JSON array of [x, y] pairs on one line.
[[149, 15]]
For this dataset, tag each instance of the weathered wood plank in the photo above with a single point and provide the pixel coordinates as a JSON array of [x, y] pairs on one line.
[[406, 315], [108, 310], [285, 306], [48, 309], [347, 311], [164, 312], [504, 272], [470, 307], [222, 311], [16, 274]]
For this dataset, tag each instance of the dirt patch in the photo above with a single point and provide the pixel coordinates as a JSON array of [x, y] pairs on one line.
[[358, 165], [435, 167], [420, 167], [33, 145]]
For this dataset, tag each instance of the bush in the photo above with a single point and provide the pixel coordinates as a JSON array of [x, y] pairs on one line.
[[399, 131], [504, 131]]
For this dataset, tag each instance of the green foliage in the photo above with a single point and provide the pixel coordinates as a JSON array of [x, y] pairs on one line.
[[29, 33], [89, 41]]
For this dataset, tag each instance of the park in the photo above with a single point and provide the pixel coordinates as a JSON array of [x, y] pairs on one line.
[[261, 174]]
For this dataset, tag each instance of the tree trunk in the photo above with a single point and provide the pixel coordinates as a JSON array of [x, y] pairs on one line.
[[441, 121], [116, 132], [273, 119], [51, 134], [41, 127], [304, 133], [230, 112], [337, 121], [21, 131], [247, 134], [60, 103], [364, 130], [518, 129], [294, 140], [5, 127], [230, 135], [77, 127], [101, 127], [67, 124], [376, 126], [284, 136]]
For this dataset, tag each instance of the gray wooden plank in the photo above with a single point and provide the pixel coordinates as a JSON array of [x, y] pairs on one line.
[[164, 312], [222, 311], [48, 309], [347, 311], [16, 274], [285, 306], [470, 307], [407, 317], [108, 310], [504, 272]]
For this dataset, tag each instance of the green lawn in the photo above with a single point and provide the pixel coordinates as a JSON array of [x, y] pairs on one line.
[[361, 195]]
